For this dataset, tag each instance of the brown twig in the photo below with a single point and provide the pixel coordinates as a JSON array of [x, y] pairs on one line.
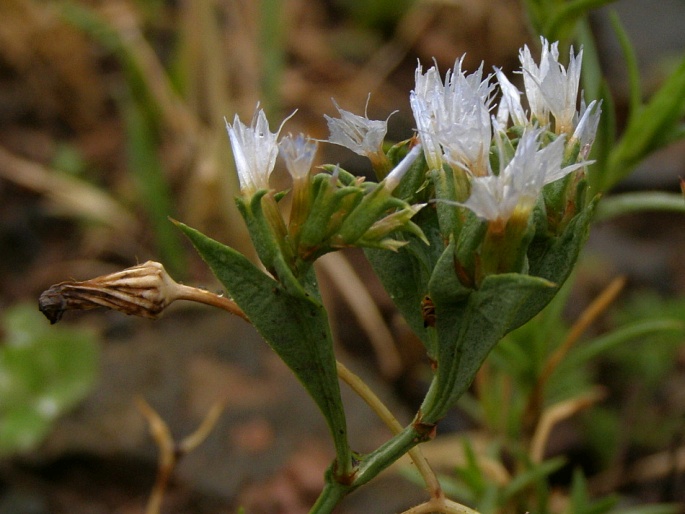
[[170, 452]]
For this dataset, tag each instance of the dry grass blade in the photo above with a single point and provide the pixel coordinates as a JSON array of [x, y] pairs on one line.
[[167, 456], [589, 315], [357, 296], [70, 195], [556, 413]]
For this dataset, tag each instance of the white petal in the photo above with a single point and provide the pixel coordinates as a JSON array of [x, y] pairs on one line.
[[358, 133], [254, 150], [298, 153]]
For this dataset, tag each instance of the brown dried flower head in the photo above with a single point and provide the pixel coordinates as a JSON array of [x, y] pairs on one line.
[[144, 290]]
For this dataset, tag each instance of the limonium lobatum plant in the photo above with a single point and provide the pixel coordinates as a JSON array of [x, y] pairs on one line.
[[474, 224]]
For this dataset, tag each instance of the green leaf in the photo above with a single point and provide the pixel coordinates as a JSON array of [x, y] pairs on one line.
[[651, 127], [580, 502], [592, 77], [296, 327], [639, 330], [561, 23], [467, 332], [153, 190], [627, 203], [405, 273], [553, 258], [634, 86], [535, 474]]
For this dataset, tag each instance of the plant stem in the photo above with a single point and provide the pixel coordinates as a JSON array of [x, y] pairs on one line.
[[371, 465], [194, 294], [379, 459], [331, 495], [359, 387]]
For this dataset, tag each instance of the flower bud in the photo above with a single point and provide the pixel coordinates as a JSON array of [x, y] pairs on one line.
[[144, 290]]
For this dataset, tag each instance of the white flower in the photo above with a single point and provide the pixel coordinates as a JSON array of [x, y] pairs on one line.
[[426, 103], [586, 129], [254, 150], [510, 103], [298, 153], [520, 181], [453, 119], [358, 133], [551, 88]]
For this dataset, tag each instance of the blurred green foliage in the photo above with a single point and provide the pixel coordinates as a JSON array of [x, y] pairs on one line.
[[635, 373], [44, 372], [380, 15]]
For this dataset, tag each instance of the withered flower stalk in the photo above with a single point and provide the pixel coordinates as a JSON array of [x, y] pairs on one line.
[[144, 290]]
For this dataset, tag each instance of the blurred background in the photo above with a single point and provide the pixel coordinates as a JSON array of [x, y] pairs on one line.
[[112, 120]]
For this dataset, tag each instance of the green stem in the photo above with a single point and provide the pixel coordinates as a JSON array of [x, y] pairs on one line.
[[378, 460], [635, 202], [436, 403], [331, 495], [370, 466]]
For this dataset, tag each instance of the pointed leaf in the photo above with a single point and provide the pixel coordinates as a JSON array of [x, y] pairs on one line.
[[553, 258], [468, 331], [294, 326], [405, 273]]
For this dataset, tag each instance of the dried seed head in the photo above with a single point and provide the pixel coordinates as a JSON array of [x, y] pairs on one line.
[[144, 290]]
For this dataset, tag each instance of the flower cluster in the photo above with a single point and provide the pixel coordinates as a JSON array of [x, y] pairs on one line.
[[457, 129], [493, 159], [328, 210]]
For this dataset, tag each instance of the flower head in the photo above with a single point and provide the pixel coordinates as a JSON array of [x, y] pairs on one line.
[[453, 119], [358, 133], [510, 103], [426, 104], [586, 129], [298, 153], [254, 150], [519, 182], [550, 87], [144, 290]]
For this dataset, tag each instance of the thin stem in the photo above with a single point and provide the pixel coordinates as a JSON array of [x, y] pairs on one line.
[[193, 294], [360, 387], [379, 459], [365, 309], [171, 452], [370, 466]]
